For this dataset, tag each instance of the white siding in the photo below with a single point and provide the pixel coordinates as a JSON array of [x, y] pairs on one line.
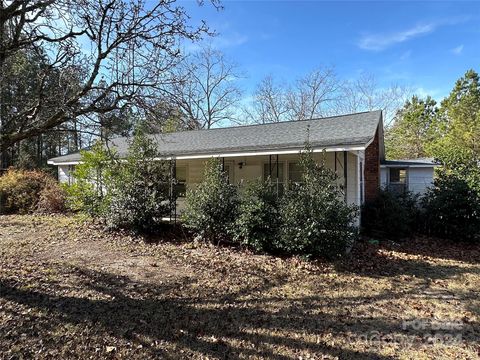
[[419, 179], [383, 177], [63, 173]]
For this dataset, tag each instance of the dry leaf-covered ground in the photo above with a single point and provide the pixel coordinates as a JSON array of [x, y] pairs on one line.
[[69, 290]]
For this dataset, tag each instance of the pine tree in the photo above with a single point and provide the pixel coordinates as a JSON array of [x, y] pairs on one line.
[[457, 130], [410, 134]]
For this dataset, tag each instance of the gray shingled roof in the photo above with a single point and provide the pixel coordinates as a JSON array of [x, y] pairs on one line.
[[346, 130]]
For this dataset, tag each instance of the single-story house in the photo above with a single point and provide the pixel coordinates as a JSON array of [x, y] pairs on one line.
[[353, 146]]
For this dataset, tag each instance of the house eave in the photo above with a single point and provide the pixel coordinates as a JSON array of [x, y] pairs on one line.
[[238, 154], [409, 166], [264, 152], [59, 163]]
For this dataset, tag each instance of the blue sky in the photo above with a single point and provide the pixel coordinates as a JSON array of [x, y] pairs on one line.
[[424, 45]]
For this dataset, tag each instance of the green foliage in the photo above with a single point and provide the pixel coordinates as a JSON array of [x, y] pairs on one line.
[[212, 207], [391, 216], [25, 191], [131, 193], [94, 175], [450, 133], [452, 209], [410, 133], [140, 191], [457, 130], [258, 220], [315, 219]]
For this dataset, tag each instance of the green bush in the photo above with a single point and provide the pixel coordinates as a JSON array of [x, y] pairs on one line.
[[82, 197], [211, 208], [93, 178], [132, 193], [258, 220], [451, 209], [22, 191], [140, 192], [391, 216], [315, 219]]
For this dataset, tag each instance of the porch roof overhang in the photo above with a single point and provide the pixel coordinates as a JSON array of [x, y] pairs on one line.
[[352, 132], [350, 148]]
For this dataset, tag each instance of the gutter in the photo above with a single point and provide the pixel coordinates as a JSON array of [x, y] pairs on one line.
[[239, 154]]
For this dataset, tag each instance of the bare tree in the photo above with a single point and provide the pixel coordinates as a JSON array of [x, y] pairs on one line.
[[208, 92], [312, 96], [364, 94], [128, 45], [321, 93], [270, 103]]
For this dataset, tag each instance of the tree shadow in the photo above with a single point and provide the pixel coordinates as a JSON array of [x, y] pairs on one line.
[[442, 249], [371, 260], [219, 326]]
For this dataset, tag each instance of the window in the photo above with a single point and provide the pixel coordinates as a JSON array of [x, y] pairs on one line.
[[294, 174], [398, 180], [181, 176], [398, 176], [272, 170]]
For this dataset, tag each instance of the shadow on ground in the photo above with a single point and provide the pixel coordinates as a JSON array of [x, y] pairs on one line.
[[419, 261], [148, 316]]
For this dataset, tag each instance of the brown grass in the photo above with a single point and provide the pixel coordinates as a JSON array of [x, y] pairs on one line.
[[70, 290]]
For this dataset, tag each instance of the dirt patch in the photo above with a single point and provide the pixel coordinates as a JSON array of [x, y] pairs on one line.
[[70, 290], [102, 256]]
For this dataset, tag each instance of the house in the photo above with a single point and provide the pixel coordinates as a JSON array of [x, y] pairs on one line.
[[352, 144]]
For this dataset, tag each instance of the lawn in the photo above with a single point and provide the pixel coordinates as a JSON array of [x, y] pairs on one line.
[[70, 290]]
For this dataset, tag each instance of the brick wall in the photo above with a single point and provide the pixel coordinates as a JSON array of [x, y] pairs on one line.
[[372, 169]]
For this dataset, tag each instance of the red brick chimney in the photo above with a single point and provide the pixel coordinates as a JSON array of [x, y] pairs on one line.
[[372, 169]]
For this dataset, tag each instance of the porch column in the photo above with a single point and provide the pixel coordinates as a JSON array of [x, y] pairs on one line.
[[277, 175], [360, 189], [270, 166]]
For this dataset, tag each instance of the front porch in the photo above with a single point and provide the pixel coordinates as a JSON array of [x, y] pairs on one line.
[[283, 169]]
